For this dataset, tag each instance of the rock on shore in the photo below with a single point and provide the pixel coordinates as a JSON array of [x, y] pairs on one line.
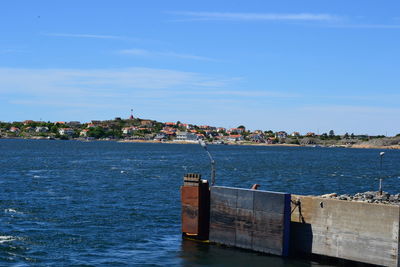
[[369, 197]]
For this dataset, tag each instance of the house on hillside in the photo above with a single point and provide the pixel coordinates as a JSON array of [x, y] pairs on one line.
[[161, 137], [15, 130], [66, 131], [184, 125], [27, 122], [235, 137], [281, 134], [84, 133], [30, 129], [257, 138], [168, 129], [237, 130], [41, 129], [185, 137], [74, 124], [129, 130]]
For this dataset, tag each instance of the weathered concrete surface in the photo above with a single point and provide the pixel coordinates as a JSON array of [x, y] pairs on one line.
[[356, 231], [250, 219]]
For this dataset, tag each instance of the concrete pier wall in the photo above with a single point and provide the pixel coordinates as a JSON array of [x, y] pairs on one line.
[[356, 231], [250, 219], [283, 224]]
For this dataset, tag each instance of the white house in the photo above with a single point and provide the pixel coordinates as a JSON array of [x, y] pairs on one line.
[[185, 137], [161, 137], [129, 130], [235, 137], [66, 131], [14, 130], [41, 129], [84, 132]]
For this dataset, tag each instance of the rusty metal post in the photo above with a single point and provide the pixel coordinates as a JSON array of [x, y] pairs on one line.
[[195, 197]]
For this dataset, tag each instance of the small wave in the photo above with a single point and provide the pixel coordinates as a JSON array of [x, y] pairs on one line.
[[6, 238], [12, 211], [36, 176]]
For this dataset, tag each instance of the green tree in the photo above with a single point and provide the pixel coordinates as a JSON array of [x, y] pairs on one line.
[[97, 132], [269, 133]]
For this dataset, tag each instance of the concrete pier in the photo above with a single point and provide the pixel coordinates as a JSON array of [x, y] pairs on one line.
[[284, 224], [363, 232]]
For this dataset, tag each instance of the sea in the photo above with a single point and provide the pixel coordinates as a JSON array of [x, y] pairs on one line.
[[104, 203]]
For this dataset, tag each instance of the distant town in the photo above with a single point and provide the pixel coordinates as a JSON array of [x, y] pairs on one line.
[[144, 130]]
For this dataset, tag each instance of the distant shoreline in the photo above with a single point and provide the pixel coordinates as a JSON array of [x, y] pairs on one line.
[[357, 146]]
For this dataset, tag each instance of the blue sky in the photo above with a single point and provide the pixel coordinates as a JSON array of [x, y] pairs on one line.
[[281, 65]]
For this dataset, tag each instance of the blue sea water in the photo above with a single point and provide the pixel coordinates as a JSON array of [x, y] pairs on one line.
[[77, 203]]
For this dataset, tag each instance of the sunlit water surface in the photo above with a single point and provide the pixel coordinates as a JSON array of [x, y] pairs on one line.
[[108, 203]]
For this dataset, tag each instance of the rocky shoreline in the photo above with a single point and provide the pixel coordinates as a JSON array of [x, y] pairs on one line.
[[367, 197], [230, 143]]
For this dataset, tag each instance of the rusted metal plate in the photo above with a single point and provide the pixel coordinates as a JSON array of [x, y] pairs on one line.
[[195, 207], [190, 195], [190, 222]]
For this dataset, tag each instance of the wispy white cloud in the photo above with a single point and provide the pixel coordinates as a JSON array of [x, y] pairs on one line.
[[246, 93], [135, 52], [104, 37], [349, 109], [143, 52], [97, 80], [367, 26], [93, 88], [231, 16], [333, 21], [91, 36]]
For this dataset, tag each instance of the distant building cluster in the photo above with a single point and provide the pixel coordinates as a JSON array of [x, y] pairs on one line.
[[151, 130]]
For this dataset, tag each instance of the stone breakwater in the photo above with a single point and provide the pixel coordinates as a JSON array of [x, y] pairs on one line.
[[369, 197]]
